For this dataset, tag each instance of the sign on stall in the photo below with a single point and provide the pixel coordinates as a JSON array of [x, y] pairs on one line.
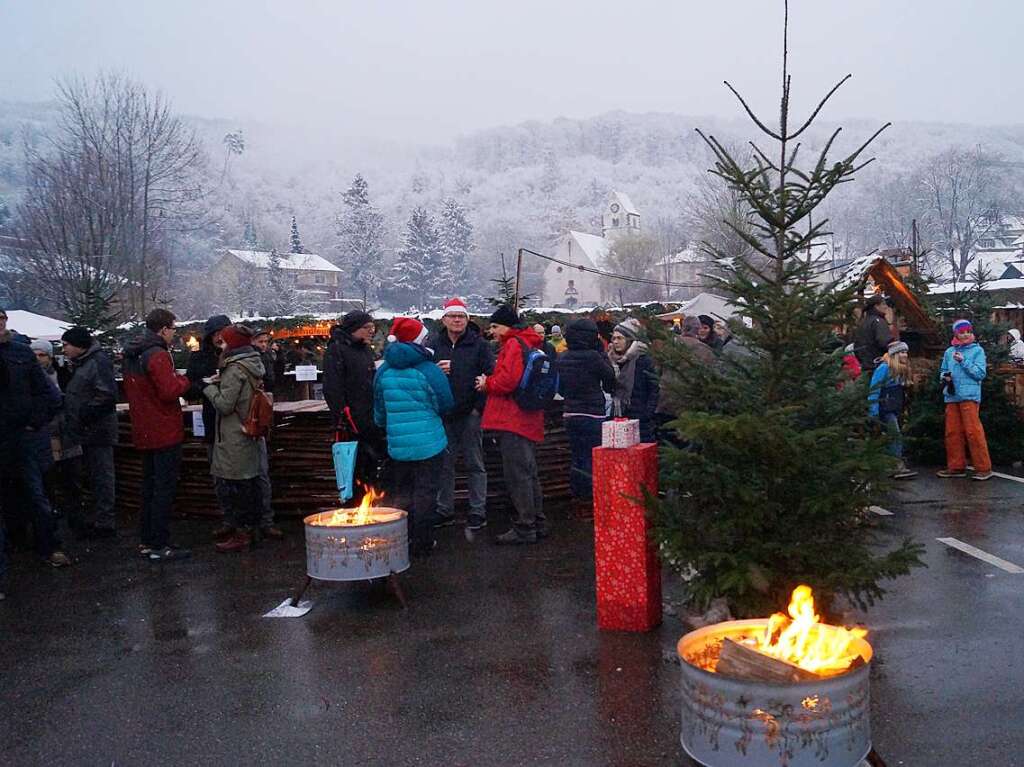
[[305, 372], [198, 428]]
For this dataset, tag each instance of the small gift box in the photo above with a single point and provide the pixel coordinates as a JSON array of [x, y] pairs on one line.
[[620, 432]]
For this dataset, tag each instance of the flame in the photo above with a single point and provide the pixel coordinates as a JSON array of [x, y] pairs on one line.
[[802, 640], [358, 516]]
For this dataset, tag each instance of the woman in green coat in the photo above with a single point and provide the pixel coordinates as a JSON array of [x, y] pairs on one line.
[[236, 456]]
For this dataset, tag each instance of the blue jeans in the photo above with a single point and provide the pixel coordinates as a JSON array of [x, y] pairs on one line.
[[892, 428], [584, 435], [160, 469]]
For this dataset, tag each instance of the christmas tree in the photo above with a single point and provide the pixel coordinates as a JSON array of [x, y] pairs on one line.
[[771, 489], [415, 271]]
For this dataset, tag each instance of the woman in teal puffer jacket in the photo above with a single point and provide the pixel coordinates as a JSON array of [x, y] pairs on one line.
[[410, 394]]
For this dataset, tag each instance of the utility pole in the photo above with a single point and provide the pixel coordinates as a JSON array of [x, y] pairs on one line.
[[913, 247]]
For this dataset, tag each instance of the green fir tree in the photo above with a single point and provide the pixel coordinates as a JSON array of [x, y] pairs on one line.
[[772, 486]]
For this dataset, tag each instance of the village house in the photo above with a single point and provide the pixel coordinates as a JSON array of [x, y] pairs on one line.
[[317, 282]]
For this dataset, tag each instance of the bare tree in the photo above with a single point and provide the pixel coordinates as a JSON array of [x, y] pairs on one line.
[[116, 180], [965, 193], [716, 214]]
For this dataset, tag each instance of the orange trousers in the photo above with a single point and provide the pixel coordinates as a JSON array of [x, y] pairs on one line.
[[963, 426]]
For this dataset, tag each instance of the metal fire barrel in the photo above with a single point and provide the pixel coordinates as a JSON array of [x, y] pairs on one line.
[[357, 552], [728, 722]]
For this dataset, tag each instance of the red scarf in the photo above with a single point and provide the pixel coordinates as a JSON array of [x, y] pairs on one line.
[[957, 342]]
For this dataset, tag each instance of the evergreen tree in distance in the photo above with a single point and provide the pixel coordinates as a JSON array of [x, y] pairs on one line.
[[455, 246], [415, 272], [296, 240], [773, 490], [250, 240], [282, 297], [360, 229]]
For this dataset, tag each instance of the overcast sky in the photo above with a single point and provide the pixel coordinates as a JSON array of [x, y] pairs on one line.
[[432, 69]]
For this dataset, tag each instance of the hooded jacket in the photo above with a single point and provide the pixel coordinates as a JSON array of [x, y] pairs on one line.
[[871, 338], [410, 396], [27, 398], [471, 356], [584, 372], [236, 455], [90, 400], [967, 375], [153, 389], [501, 413], [349, 371]]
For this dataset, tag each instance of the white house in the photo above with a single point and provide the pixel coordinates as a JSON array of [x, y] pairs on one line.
[[317, 281]]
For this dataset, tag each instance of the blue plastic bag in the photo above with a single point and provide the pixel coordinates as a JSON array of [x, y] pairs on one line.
[[345, 468]]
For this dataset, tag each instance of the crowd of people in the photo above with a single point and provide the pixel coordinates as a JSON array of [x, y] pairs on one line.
[[427, 403]]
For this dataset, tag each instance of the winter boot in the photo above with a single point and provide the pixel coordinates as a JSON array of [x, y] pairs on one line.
[[240, 541]]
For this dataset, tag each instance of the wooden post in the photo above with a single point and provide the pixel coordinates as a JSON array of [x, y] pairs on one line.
[[519, 272]]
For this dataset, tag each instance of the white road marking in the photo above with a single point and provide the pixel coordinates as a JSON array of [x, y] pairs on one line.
[[880, 511], [984, 556], [1008, 476]]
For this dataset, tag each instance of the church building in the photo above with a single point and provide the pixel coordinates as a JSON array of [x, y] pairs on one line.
[[568, 285]]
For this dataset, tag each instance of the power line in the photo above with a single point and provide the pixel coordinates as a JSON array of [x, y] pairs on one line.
[[612, 275]]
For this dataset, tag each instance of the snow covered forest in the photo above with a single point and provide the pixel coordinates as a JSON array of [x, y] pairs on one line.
[[408, 222]]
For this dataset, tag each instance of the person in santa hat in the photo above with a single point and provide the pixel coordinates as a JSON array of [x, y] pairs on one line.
[[462, 353], [410, 394]]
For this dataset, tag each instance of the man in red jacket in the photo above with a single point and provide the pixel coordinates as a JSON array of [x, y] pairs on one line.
[[517, 430], [153, 389]]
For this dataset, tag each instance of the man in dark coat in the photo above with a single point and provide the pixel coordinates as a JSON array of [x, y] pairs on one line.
[[349, 368], [27, 403], [584, 377], [153, 389], [873, 335], [462, 354], [90, 405]]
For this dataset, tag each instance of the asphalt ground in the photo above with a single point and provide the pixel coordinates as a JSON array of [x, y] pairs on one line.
[[496, 661]]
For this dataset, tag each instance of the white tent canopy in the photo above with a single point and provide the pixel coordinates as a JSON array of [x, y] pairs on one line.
[[704, 303], [36, 326]]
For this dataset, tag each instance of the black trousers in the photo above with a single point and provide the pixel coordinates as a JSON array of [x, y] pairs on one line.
[[160, 469], [414, 490]]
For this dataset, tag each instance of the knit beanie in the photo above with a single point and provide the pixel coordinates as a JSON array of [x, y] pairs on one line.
[[962, 326], [454, 306], [236, 336], [897, 347], [631, 329], [407, 330], [39, 345], [505, 315], [77, 336], [706, 320], [211, 326], [355, 320], [556, 330]]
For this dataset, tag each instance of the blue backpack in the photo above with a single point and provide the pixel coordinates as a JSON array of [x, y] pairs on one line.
[[539, 382]]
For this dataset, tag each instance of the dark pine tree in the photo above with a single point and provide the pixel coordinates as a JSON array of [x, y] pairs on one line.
[[296, 240], [772, 490]]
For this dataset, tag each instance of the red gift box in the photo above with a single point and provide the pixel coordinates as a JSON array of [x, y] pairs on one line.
[[626, 563]]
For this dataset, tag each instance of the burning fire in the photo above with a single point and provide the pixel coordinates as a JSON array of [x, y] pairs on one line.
[[358, 516], [802, 640]]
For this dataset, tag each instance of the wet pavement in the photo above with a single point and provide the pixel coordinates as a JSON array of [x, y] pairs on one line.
[[496, 661]]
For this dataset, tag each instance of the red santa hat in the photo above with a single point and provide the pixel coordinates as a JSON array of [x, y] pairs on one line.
[[407, 330], [454, 306]]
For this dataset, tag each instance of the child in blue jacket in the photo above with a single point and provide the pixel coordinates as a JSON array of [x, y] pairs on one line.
[[886, 399]]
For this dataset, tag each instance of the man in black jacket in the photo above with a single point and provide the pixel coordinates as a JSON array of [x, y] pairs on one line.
[[27, 403], [90, 405], [584, 377], [873, 335], [463, 354], [349, 368]]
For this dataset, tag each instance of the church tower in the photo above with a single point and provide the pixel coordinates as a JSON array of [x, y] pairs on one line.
[[620, 217]]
